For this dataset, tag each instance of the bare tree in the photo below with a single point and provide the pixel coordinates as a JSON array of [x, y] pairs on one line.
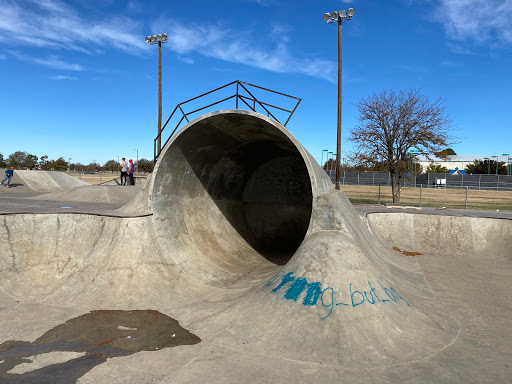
[[392, 123]]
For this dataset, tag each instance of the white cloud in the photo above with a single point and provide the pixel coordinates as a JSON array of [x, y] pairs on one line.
[[50, 61], [237, 47], [54, 24], [480, 21], [62, 77]]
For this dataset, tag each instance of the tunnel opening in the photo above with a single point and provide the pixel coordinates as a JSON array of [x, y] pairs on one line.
[[252, 172]]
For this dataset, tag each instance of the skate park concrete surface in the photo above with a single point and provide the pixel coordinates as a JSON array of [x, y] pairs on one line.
[[237, 262]]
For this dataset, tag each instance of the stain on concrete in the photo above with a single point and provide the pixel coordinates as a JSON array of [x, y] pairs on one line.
[[96, 336], [407, 253]]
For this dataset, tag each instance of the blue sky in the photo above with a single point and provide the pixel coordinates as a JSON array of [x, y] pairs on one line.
[[78, 80]]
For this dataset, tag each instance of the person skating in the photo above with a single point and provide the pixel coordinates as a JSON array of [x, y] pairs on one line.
[[8, 175]]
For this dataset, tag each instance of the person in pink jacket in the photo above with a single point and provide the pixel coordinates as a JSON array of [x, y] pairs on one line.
[[131, 169]]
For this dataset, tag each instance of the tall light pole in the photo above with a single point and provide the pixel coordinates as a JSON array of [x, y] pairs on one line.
[[329, 163], [137, 160], [162, 38], [496, 164], [510, 166], [323, 150], [330, 18], [507, 154], [488, 165]]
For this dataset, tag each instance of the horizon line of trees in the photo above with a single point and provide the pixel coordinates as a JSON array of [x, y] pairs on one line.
[[23, 160]]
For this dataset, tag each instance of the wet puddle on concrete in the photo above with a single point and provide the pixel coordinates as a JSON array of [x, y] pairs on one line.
[[70, 350]]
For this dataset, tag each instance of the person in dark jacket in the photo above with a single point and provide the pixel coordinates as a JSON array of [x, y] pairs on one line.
[[131, 169], [8, 175]]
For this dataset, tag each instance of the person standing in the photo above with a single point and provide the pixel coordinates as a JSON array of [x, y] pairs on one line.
[[131, 169], [124, 171], [8, 175]]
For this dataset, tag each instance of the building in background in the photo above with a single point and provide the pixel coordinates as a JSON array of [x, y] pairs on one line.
[[452, 162]]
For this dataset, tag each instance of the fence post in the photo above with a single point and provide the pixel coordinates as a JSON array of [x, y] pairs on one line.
[[373, 181], [467, 197], [428, 180], [498, 182], [415, 177], [379, 195], [421, 190], [100, 177], [479, 180], [357, 178], [343, 177], [389, 177], [462, 181]]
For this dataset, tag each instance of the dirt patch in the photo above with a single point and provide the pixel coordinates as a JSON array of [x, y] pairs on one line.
[[407, 253]]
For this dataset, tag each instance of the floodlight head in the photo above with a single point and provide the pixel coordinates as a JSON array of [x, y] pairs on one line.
[[148, 39], [342, 13], [164, 36], [334, 15], [159, 37], [153, 38], [326, 16], [351, 12]]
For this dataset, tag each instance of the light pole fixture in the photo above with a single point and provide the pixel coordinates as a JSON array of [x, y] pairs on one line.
[[137, 159], [496, 164], [331, 18], [510, 166], [322, 161], [488, 165], [159, 39], [329, 165]]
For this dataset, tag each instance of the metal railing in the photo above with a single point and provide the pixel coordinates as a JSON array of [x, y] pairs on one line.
[[242, 94]]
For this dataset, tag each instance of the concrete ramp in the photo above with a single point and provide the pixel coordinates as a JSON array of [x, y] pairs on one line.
[[44, 181], [248, 247]]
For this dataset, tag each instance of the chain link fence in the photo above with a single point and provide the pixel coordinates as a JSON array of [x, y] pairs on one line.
[[427, 180]]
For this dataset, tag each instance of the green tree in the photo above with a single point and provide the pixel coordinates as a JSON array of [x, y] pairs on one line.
[[111, 165], [484, 167], [445, 153], [17, 159], [60, 164], [30, 161], [437, 168], [392, 123], [44, 163], [3, 164], [93, 166], [145, 165]]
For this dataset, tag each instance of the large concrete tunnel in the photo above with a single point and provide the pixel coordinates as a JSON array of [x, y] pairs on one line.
[[240, 188]]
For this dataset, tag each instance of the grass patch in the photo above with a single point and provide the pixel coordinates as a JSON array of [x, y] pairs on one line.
[[432, 197]]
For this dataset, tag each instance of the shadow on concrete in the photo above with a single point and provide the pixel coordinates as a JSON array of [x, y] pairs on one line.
[[255, 176]]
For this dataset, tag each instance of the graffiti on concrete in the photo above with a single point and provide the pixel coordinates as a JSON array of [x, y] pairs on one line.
[[313, 293]]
